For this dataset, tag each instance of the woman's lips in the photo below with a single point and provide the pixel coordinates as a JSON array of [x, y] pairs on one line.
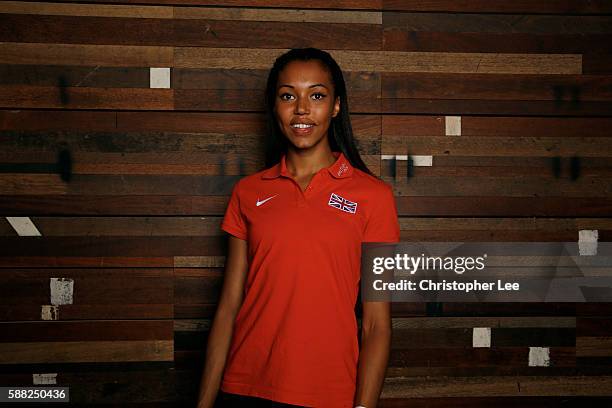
[[302, 131]]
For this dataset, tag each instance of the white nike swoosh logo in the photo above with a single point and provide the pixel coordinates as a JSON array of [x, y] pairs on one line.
[[263, 201]]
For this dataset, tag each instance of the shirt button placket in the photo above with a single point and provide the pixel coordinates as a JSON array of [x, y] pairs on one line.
[[305, 194]]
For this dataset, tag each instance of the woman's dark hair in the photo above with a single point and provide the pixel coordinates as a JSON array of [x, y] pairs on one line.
[[340, 132]]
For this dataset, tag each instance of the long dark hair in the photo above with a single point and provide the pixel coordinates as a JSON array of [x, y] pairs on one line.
[[340, 132]]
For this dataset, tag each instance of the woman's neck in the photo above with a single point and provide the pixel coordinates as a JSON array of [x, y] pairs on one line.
[[301, 163]]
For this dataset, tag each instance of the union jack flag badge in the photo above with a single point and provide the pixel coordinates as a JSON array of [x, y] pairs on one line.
[[342, 203]]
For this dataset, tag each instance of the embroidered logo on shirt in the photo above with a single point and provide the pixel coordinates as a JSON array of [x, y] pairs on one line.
[[343, 168], [264, 201], [342, 203]]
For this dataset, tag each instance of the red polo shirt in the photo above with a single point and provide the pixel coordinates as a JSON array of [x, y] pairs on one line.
[[295, 335]]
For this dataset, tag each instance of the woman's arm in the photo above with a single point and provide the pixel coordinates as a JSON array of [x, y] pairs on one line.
[[374, 354], [220, 336]]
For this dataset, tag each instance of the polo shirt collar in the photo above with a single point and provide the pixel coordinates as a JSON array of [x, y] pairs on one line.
[[340, 169]]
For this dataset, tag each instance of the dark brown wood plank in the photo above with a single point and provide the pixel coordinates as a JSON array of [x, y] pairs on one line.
[[492, 236], [86, 261], [545, 146], [183, 32], [57, 120], [495, 107], [501, 6], [517, 186], [110, 246], [598, 62], [498, 23], [533, 337], [103, 286], [504, 206], [22, 96], [475, 357], [562, 89], [84, 312], [508, 309], [496, 386], [498, 402], [501, 126], [594, 326], [86, 331], [398, 39], [196, 290], [533, 126], [112, 205], [70, 76]]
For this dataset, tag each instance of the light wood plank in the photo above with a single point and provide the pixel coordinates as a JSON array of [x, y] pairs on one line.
[[86, 351], [91, 10], [387, 61], [289, 15]]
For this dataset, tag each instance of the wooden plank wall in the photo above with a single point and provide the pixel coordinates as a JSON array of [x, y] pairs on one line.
[[125, 181]]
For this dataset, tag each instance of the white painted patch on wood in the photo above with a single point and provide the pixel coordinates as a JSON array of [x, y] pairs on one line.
[[452, 125], [61, 291], [417, 160], [422, 160], [49, 312], [159, 78], [44, 379], [23, 226], [481, 337], [539, 356], [587, 242]]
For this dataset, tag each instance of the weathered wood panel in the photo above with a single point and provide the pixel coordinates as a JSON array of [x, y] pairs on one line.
[[525, 157]]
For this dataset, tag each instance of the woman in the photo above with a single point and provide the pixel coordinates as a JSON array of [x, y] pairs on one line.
[[284, 333]]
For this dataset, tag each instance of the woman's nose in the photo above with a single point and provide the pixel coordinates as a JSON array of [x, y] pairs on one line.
[[301, 105]]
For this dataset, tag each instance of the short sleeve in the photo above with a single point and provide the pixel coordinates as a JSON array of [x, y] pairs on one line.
[[382, 224], [233, 221]]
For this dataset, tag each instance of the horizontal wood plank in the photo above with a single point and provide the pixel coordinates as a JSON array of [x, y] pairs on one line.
[[558, 88], [86, 351], [397, 39], [504, 206], [496, 386], [127, 330], [501, 6], [110, 246], [498, 23], [86, 55], [387, 61], [23, 96], [186, 32], [497, 146], [573, 107]]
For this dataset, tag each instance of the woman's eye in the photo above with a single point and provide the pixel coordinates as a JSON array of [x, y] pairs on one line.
[[318, 96], [286, 96]]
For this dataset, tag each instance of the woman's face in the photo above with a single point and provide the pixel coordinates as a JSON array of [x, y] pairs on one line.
[[304, 104]]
